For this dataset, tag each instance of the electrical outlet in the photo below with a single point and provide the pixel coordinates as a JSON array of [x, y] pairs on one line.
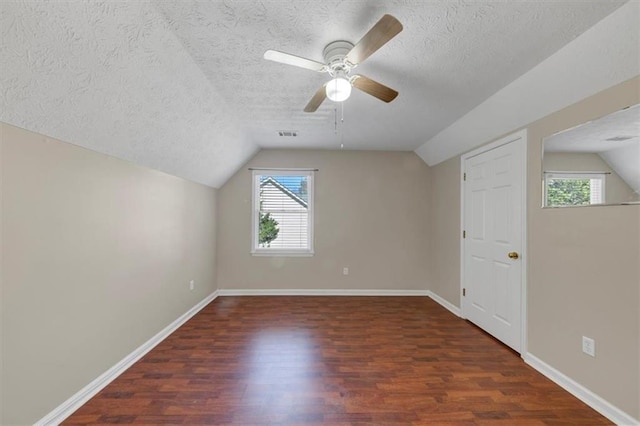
[[192, 285], [345, 271], [588, 346]]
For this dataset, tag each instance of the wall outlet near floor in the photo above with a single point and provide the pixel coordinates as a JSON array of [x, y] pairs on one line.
[[345, 271], [192, 285], [588, 346]]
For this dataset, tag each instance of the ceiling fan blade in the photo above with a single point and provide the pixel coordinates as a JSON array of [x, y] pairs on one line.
[[373, 88], [383, 31], [317, 100], [297, 61]]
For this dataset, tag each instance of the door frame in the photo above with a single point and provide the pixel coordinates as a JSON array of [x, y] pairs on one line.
[[519, 137]]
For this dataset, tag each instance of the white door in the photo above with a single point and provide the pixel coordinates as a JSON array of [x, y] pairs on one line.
[[492, 269]]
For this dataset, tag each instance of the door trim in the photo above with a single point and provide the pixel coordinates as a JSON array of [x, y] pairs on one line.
[[519, 137]]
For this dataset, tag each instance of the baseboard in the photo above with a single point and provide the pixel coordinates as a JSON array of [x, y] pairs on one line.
[[64, 410], [318, 292], [445, 304], [603, 407]]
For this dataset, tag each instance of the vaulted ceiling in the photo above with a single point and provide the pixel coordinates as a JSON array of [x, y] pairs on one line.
[[181, 85]]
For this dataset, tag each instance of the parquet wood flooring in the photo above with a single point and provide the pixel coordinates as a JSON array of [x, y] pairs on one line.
[[333, 361]]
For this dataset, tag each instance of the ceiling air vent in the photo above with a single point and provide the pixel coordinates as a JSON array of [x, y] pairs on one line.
[[619, 138], [288, 133]]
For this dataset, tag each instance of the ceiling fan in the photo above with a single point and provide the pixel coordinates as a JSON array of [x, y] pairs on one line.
[[341, 57]]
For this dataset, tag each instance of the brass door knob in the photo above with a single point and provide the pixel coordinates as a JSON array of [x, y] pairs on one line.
[[513, 255]]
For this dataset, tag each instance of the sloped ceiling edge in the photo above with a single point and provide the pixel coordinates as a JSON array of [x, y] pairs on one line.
[[605, 55]]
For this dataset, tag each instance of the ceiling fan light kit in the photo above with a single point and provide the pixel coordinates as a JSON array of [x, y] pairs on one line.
[[338, 89], [341, 57]]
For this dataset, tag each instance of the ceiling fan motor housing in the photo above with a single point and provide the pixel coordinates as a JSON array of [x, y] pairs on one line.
[[334, 54]]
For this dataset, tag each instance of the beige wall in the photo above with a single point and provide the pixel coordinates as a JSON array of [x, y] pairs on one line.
[[445, 230], [583, 266], [98, 254], [584, 272], [371, 215]]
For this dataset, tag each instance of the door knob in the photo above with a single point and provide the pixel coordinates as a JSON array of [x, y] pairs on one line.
[[513, 255]]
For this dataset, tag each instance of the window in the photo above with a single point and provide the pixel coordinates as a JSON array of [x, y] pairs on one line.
[[574, 188], [282, 213]]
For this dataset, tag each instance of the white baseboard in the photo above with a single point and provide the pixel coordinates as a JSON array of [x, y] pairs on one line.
[[603, 407], [445, 303], [318, 292], [64, 410]]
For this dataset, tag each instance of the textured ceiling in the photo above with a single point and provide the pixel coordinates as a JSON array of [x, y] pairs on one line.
[[181, 86], [113, 77]]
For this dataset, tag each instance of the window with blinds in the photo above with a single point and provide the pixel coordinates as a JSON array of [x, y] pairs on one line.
[[574, 188], [282, 212]]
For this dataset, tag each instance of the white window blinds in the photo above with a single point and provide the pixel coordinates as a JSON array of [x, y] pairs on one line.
[[283, 212]]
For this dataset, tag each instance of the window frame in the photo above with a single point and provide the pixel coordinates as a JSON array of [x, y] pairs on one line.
[[601, 176], [256, 250]]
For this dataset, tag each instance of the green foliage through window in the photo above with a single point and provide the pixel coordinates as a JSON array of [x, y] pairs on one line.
[[268, 229], [302, 190], [568, 192]]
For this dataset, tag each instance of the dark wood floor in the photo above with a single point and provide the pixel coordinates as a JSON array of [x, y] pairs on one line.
[[332, 360]]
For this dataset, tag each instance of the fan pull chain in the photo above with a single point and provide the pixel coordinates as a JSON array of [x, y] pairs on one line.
[[341, 125]]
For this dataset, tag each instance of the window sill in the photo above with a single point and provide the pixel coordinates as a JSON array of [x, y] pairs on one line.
[[282, 253]]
